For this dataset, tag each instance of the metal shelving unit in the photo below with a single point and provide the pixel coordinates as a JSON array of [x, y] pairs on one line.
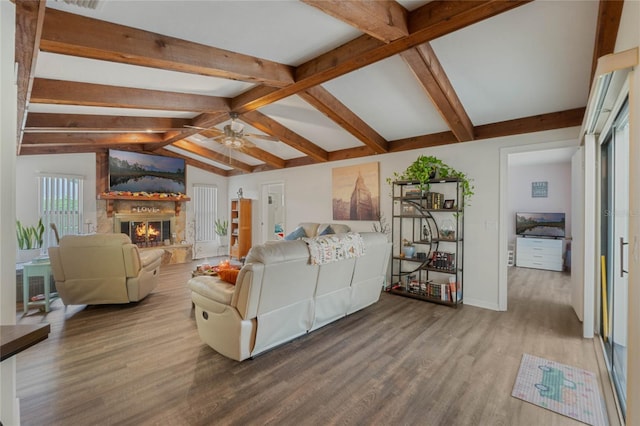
[[432, 221]]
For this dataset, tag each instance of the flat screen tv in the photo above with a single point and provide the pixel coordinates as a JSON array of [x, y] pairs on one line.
[[540, 224], [138, 172]]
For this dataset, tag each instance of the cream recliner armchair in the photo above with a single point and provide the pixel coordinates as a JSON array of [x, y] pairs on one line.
[[103, 269]]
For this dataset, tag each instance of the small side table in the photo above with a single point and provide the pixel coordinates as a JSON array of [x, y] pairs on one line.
[[37, 269]]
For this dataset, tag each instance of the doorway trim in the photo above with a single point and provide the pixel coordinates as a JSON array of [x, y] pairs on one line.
[[264, 205], [503, 232]]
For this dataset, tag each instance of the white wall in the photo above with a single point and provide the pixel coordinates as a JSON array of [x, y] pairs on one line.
[[308, 198], [558, 178]]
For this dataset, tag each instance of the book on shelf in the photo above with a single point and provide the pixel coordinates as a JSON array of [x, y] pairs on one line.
[[444, 292], [443, 260], [433, 200]]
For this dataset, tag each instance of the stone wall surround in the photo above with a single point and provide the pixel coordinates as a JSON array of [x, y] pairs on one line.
[[174, 253]]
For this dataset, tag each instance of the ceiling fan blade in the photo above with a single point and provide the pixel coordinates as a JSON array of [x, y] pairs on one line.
[[246, 143], [265, 137]]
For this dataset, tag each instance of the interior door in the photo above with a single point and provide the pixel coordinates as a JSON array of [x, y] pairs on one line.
[[273, 211], [614, 250]]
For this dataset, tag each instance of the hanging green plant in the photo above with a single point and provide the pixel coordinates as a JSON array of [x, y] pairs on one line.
[[427, 168]]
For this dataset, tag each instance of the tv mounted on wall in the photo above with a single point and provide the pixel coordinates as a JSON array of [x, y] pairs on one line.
[[540, 224], [138, 172]]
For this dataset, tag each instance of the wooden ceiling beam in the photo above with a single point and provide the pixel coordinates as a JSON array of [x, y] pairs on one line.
[[609, 16], [62, 92], [200, 150], [273, 128], [39, 122], [423, 141], [425, 65], [382, 19], [95, 139], [535, 123], [29, 22], [434, 19], [325, 102], [194, 163], [69, 149], [349, 153], [75, 35]]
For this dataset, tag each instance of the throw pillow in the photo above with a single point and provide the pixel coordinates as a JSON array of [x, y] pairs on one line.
[[326, 231], [296, 234], [229, 275]]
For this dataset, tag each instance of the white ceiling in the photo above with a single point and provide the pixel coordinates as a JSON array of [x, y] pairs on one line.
[[531, 60]]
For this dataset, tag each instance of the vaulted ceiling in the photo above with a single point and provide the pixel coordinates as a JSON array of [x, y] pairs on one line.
[[325, 80]]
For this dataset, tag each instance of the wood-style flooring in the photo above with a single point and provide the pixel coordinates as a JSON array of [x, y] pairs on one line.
[[398, 362]]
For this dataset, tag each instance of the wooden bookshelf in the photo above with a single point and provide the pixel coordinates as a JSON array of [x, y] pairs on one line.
[[240, 228]]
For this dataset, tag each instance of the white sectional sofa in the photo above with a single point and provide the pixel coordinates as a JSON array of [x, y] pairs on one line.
[[280, 295]]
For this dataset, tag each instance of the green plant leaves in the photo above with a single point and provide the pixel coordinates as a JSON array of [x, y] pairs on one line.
[[429, 167], [29, 237]]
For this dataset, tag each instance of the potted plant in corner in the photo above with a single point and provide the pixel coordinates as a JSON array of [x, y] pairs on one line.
[[221, 229], [30, 239]]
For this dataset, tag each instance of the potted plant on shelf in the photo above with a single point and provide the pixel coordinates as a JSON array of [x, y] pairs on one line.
[[30, 240], [426, 168], [408, 249]]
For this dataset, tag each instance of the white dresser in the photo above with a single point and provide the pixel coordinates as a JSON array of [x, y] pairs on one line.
[[539, 253]]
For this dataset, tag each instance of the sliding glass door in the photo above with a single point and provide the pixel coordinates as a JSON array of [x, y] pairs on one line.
[[614, 249]]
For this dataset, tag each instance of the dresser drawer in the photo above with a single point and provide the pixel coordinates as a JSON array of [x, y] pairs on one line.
[[540, 253]]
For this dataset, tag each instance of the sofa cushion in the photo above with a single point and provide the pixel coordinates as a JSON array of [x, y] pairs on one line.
[[310, 228], [326, 231], [339, 228], [229, 275], [296, 234]]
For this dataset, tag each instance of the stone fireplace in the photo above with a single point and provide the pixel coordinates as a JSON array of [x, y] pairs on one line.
[[146, 228], [149, 223]]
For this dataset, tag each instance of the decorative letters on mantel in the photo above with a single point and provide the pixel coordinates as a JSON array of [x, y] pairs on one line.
[[144, 209]]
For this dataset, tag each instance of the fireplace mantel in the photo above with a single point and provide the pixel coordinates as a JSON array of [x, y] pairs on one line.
[[111, 198]]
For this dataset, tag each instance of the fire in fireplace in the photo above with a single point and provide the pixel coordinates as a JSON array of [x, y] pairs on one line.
[[145, 231]]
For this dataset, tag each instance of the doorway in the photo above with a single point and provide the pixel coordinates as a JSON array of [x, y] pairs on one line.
[[273, 211]]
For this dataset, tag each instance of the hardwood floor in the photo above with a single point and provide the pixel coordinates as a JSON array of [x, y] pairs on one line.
[[400, 361]]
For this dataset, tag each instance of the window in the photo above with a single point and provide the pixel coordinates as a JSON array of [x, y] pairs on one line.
[[61, 204], [205, 198]]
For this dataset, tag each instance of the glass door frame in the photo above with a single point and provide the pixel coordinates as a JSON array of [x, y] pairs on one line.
[[608, 245]]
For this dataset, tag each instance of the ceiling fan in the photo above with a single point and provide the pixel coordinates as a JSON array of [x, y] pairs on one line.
[[233, 136]]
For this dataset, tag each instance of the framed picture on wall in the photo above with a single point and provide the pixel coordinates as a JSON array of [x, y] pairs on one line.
[[539, 189], [356, 192]]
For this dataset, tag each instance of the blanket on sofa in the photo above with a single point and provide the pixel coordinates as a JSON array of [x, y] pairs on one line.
[[334, 247]]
